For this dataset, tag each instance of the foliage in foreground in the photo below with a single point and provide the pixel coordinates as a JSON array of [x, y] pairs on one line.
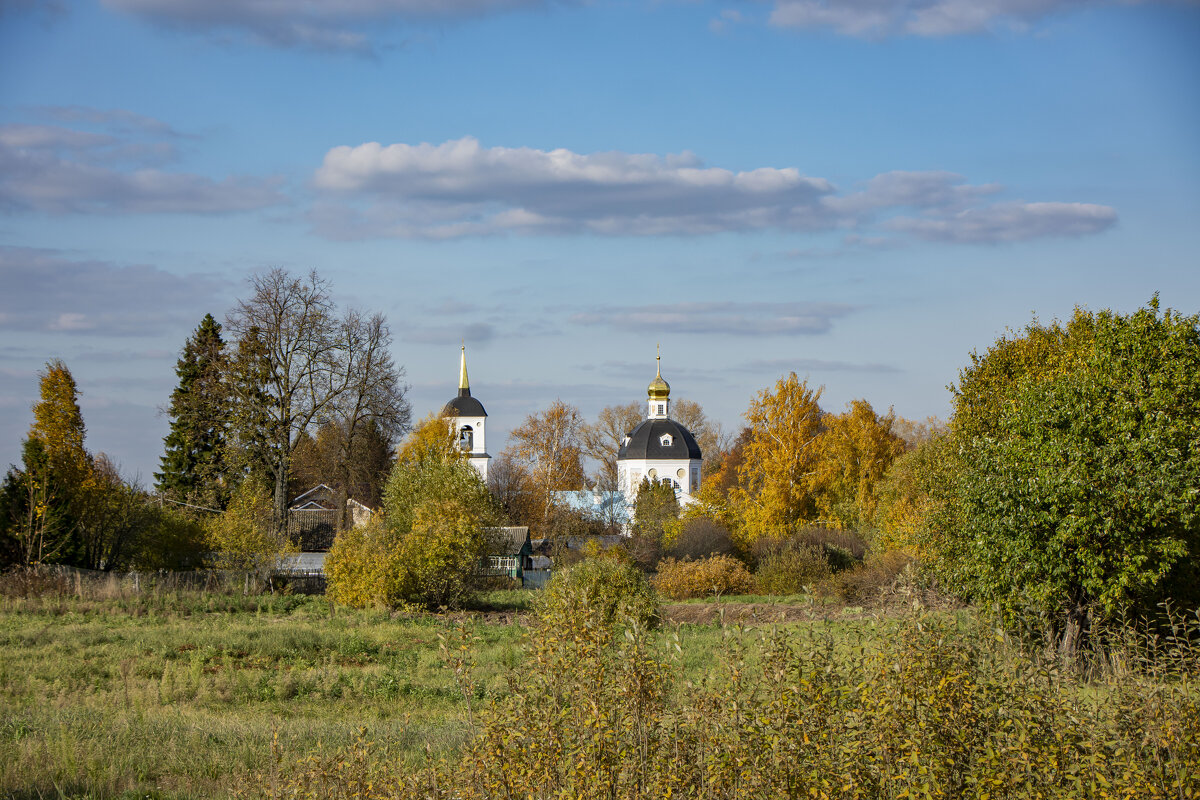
[[932, 708]]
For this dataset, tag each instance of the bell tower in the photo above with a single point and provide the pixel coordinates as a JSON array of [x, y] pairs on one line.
[[467, 419]]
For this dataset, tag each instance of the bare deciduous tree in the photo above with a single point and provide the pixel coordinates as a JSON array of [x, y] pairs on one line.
[[602, 439], [310, 366], [710, 435]]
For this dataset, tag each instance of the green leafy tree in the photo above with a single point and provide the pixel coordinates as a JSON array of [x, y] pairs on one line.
[[171, 538], [430, 546], [194, 465], [113, 516], [1075, 483], [655, 507], [244, 536]]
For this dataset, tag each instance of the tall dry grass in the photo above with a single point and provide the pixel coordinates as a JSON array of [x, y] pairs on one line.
[[935, 706]]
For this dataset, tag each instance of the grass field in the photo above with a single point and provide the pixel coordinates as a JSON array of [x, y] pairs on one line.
[[174, 694], [178, 694]]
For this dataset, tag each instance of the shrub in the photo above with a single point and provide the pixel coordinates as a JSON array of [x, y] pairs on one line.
[[701, 537], [605, 589], [681, 580], [434, 564], [428, 547], [244, 536], [440, 557], [793, 570], [866, 581], [359, 565], [842, 549]]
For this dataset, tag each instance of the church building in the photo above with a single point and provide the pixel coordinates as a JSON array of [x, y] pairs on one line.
[[659, 448], [466, 417]]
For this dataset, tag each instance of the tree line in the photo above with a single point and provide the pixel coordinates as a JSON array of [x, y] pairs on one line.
[[299, 390], [1065, 483], [1064, 489]]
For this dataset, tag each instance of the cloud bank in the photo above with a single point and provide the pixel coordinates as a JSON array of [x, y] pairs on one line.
[[111, 162], [723, 318], [49, 293], [329, 25], [461, 188]]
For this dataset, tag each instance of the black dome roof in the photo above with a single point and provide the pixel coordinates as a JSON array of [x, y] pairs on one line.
[[645, 441], [464, 406]]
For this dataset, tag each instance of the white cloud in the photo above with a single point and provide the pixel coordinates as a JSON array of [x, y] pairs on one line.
[[723, 318], [331, 25], [460, 188], [883, 18], [60, 170], [45, 291]]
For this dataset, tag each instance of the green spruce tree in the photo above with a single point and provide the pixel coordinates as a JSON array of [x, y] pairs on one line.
[[254, 438], [194, 464]]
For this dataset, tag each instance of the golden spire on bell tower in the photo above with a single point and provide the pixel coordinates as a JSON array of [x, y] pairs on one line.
[[464, 386], [658, 388]]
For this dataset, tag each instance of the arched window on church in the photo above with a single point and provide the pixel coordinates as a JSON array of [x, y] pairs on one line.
[[466, 438]]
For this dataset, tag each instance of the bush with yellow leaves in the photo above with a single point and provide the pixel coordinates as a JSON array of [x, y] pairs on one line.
[[716, 575]]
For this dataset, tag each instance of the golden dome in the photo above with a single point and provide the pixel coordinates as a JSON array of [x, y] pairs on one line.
[[658, 388]]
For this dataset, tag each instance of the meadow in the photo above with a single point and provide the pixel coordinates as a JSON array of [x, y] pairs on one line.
[[212, 694]]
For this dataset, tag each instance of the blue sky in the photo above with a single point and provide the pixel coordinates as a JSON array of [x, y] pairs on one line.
[[860, 191]]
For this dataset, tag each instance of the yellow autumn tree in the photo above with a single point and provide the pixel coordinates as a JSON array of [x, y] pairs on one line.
[[243, 536], [427, 547], [431, 440], [906, 498], [854, 453], [58, 424], [55, 469], [779, 470]]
